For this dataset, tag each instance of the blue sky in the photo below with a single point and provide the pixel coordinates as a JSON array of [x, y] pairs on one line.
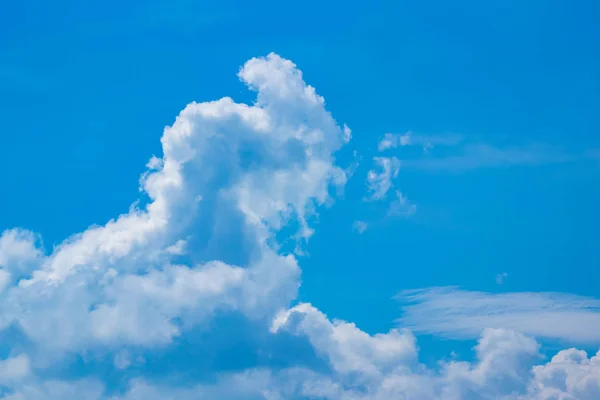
[[457, 229]]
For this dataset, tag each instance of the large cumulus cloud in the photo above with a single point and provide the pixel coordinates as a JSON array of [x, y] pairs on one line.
[[138, 308]]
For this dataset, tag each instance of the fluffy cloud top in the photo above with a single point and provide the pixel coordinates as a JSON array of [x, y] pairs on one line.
[[108, 313]]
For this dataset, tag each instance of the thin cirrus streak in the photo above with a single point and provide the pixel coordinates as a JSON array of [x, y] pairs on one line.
[[461, 314], [476, 156], [393, 140], [457, 154]]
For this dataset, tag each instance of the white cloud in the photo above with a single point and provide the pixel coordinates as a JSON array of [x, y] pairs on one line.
[[385, 366], [462, 314], [380, 182], [348, 348], [231, 176], [464, 154], [480, 155], [390, 141], [347, 133], [365, 367], [401, 206], [85, 389], [19, 251], [14, 369], [393, 140], [360, 226], [379, 179], [500, 278], [569, 375]]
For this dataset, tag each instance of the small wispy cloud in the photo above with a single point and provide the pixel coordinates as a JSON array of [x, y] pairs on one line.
[[460, 314], [500, 278], [476, 156], [401, 206], [379, 179], [393, 140], [360, 226]]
